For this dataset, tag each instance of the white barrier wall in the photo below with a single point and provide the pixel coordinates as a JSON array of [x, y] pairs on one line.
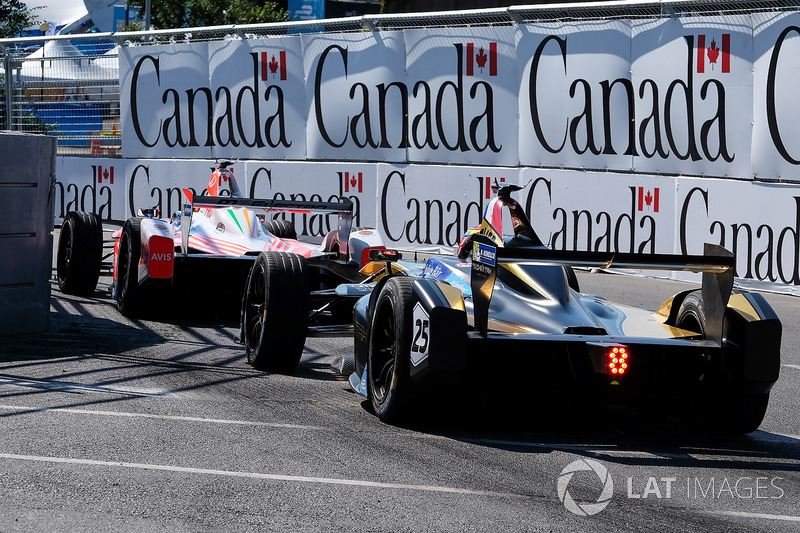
[[428, 207], [631, 135], [704, 96]]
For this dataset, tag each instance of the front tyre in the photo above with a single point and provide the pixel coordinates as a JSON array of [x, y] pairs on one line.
[[389, 386], [275, 311], [80, 253]]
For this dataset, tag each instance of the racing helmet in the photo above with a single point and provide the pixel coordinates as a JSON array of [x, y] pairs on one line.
[[465, 245], [222, 182]]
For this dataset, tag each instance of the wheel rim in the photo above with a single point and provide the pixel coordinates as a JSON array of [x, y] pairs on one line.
[[383, 352], [255, 308], [66, 248]]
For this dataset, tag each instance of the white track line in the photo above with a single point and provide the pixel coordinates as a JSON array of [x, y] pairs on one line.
[[787, 518], [796, 367], [159, 417], [257, 475], [81, 387]]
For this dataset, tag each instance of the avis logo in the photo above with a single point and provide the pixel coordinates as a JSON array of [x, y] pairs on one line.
[[481, 59], [648, 200], [718, 58], [275, 66], [162, 257], [352, 183], [104, 175]]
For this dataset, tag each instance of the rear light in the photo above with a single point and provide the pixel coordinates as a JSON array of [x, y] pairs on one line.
[[618, 360]]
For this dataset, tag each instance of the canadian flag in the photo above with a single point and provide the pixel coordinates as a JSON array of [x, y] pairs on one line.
[[716, 56], [353, 181], [648, 199], [480, 58], [105, 175], [274, 65], [489, 183]]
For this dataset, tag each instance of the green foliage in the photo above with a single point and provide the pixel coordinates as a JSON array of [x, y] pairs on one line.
[[167, 14], [15, 17]]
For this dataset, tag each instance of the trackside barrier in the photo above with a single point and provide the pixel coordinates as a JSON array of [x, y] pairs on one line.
[[26, 224]]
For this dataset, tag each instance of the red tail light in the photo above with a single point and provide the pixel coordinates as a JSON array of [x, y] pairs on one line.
[[618, 360]]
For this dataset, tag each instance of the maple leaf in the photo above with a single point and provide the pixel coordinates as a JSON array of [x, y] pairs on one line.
[[648, 198], [353, 181], [273, 65], [481, 58], [105, 174], [713, 52]]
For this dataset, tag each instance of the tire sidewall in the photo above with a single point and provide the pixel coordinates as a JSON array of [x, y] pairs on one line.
[[397, 394]]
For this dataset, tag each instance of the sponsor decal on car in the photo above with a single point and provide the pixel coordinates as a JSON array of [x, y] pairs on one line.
[[483, 253]]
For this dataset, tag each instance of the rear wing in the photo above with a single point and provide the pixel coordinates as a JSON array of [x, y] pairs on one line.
[[343, 208], [716, 264]]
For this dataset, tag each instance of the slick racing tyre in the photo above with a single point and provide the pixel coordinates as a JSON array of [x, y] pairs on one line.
[[389, 386], [80, 253], [282, 229], [129, 294], [720, 408], [275, 311]]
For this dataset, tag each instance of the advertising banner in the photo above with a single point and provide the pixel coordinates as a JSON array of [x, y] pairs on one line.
[[258, 89], [463, 85], [576, 99], [429, 208], [357, 96], [323, 182], [694, 81], [165, 101], [776, 130], [242, 98], [766, 241], [599, 212]]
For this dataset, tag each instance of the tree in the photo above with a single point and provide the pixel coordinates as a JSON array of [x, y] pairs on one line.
[[166, 14], [15, 17]]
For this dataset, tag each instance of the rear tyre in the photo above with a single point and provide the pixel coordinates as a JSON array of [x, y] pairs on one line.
[[129, 294], [389, 386], [282, 229], [275, 311], [719, 408], [80, 253]]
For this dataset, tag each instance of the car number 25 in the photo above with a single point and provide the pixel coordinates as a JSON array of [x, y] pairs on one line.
[[421, 339]]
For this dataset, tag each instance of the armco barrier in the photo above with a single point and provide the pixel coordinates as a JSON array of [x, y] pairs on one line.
[[26, 224]]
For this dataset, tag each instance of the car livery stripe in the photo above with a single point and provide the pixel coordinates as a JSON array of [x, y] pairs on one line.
[[202, 242], [232, 213]]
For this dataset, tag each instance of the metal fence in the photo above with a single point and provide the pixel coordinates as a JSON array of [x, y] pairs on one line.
[[68, 86]]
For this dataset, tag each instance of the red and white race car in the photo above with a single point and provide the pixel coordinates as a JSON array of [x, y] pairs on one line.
[[226, 248]]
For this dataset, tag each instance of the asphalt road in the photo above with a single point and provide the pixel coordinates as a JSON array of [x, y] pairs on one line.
[[118, 425]]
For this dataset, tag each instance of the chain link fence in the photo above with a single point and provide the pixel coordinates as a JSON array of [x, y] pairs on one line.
[[68, 86]]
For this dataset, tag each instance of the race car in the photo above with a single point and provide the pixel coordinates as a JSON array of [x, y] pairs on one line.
[[223, 247], [511, 319]]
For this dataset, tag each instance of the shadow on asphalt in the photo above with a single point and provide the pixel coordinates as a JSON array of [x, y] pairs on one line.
[[614, 435]]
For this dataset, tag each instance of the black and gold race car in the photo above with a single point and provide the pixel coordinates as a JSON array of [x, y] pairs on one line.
[[510, 317]]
